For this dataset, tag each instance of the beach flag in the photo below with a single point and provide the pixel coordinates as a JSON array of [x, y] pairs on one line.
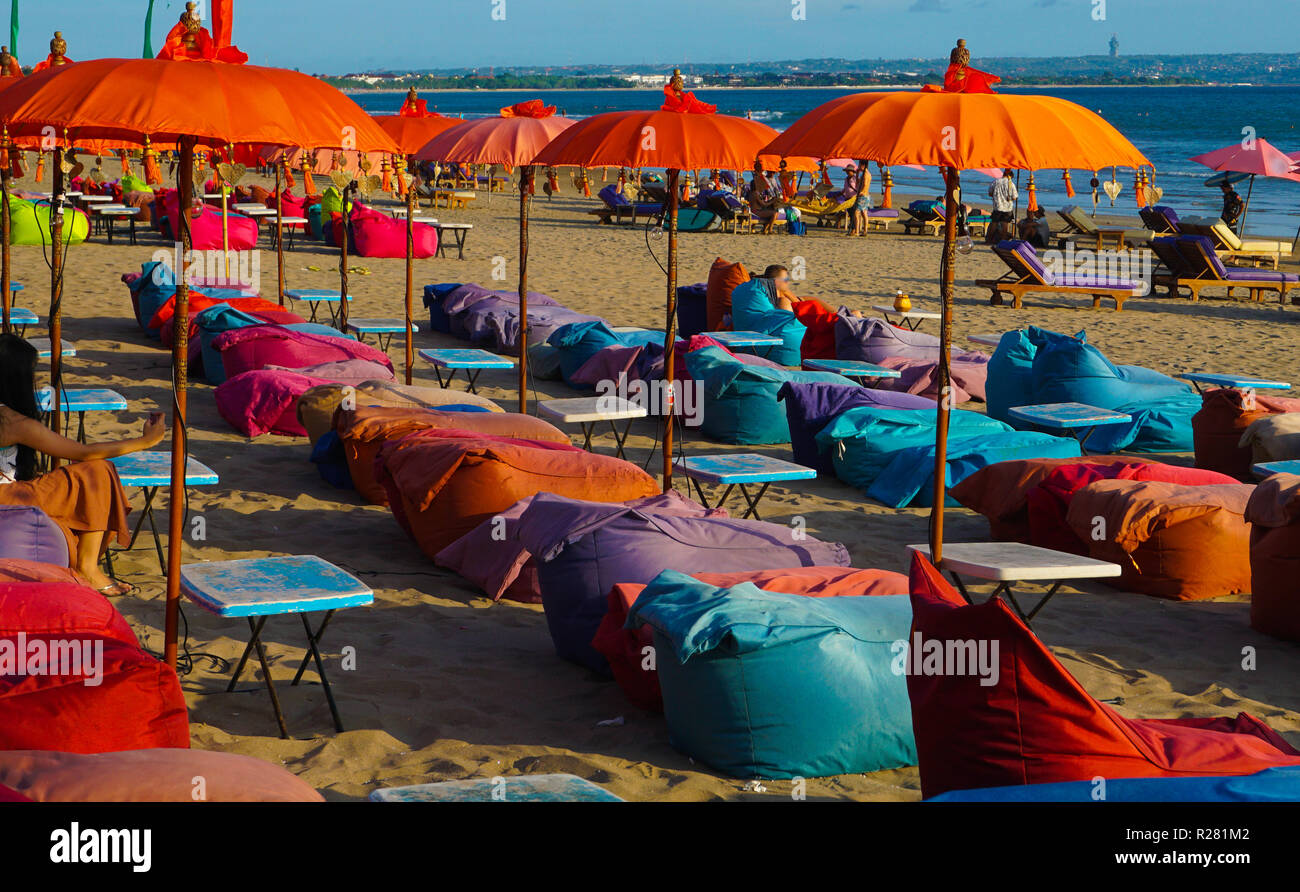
[[13, 28], [222, 12]]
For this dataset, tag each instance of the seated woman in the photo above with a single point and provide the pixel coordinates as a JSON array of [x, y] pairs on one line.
[[764, 198], [85, 497], [783, 298]]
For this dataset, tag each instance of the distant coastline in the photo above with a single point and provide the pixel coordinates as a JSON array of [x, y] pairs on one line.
[[381, 91]]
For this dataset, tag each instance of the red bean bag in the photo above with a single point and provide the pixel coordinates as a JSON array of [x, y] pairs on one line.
[[364, 430], [819, 339], [379, 235], [267, 311], [1218, 426], [1172, 541], [1274, 515], [1049, 501], [265, 401], [1036, 724], [261, 346], [439, 488], [66, 609], [625, 649]]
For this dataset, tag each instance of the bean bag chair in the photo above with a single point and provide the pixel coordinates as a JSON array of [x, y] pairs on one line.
[[819, 339], [132, 183], [752, 309], [331, 201], [215, 320], [1269, 785], [349, 372], [723, 279], [1036, 724], [492, 557], [434, 295], [740, 403], [155, 285], [379, 235], [584, 548], [59, 608], [626, 649], [1048, 503], [1273, 512], [264, 401], [29, 223], [22, 570], [744, 676], [1180, 542], [1223, 418], [363, 430], [440, 487], [149, 775], [260, 346], [294, 206], [205, 226], [317, 406], [26, 532], [809, 407], [579, 342], [1273, 438], [913, 354], [1064, 369], [921, 377], [692, 309], [491, 318], [197, 303], [145, 201], [889, 453]]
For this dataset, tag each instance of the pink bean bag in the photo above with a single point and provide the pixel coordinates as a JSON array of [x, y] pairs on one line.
[[260, 346], [205, 226], [347, 371], [920, 376], [265, 401], [378, 235]]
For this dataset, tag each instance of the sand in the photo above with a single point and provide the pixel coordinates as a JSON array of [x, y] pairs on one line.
[[448, 685]]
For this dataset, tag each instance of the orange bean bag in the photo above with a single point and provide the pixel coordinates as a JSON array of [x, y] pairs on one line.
[[1172, 541], [1274, 515], [1218, 426], [723, 279], [439, 488], [625, 648], [363, 431]]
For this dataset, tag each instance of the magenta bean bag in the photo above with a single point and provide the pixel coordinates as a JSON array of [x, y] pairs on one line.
[[259, 346], [205, 226], [265, 401], [379, 235]]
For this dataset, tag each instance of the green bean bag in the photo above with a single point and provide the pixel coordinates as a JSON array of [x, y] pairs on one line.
[[29, 224]]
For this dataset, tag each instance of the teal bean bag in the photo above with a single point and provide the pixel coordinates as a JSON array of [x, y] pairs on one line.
[[29, 223], [753, 309], [764, 684], [739, 402]]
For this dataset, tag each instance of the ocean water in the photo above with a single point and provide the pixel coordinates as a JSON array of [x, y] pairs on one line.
[[1169, 125]]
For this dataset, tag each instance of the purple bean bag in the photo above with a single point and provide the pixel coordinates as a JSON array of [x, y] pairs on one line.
[[265, 401], [810, 406], [584, 548], [874, 340], [492, 557], [379, 235], [921, 376], [461, 300], [27, 533], [348, 371], [259, 346]]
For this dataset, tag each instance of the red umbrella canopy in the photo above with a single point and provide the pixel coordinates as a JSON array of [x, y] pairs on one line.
[[214, 103], [961, 130], [502, 140], [1258, 157], [664, 139], [411, 133]]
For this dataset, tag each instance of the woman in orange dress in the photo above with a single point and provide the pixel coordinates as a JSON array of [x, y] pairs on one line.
[[84, 498]]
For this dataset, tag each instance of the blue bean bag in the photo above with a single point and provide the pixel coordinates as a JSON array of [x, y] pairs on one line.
[[433, 298], [764, 684], [809, 407], [1041, 366], [752, 309], [157, 285], [583, 549], [580, 341], [692, 309], [1269, 785], [889, 453], [740, 404]]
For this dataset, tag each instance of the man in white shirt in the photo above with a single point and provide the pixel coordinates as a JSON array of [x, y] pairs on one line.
[[1004, 195]]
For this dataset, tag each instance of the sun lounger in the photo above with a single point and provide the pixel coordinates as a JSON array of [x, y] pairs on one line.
[[1027, 274], [824, 209], [618, 208], [1227, 244], [1084, 230], [1201, 268], [929, 216], [1161, 219]]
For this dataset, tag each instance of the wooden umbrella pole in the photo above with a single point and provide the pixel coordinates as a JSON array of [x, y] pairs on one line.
[[6, 298], [56, 291], [343, 265], [279, 236], [1245, 209], [180, 355], [669, 335], [945, 371], [225, 226], [410, 278], [525, 183]]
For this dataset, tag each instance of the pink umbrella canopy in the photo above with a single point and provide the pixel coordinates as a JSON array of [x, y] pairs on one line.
[[1257, 157]]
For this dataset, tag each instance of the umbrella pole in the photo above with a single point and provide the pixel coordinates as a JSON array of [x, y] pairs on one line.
[[525, 183], [945, 372], [669, 339], [343, 264], [410, 277], [1241, 227], [279, 238], [225, 228], [56, 291], [6, 298], [180, 369]]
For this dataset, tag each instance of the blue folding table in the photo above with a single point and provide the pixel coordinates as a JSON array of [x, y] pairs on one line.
[[740, 470], [851, 368], [317, 296], [81, 401], [1269, 468], [471, 360], [383, 329], [151, 471], [1073, 419]]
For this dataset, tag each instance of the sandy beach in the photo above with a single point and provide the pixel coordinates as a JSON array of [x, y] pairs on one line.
[[449, 685]]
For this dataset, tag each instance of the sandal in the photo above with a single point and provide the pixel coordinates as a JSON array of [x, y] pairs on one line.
[[118, 589]]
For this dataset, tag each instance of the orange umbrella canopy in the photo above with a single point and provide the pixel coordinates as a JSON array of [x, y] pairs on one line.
[[498, 140], [962, 130], [213, 103], [660, 139], [411, 134]]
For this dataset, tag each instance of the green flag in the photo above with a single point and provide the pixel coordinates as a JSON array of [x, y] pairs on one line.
[[13, 28], [148, 31]]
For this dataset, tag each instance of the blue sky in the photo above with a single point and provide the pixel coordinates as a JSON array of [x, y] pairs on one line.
[[339, 35]]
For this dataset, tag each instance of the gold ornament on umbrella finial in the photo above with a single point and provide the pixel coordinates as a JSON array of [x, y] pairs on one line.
[[366, 182], [193, 24], [58, 50]]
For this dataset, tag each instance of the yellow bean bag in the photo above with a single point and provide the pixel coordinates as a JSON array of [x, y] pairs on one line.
[[29, 224]]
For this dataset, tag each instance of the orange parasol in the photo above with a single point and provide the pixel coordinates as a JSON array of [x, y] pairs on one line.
[[958, 131], [513, 139], [687, 139], [191, 103]]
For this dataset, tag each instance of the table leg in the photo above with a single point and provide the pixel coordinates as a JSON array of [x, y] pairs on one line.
[[81, 427], [587, 428], [473, 379], [461, 235], [132, 221], [752, 510], [619, 441], [266, 673], [313, 652]]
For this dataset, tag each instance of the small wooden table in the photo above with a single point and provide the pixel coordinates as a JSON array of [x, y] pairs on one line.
[[258, 588], [1007, 563], [589, 411], [110, 214], [740, 470], [1073, 419], [851, 368], [291, 225], [459, 231], [912, 318], [150, 471], [471, 360], [81, 402], [317, 296], [383, 329]]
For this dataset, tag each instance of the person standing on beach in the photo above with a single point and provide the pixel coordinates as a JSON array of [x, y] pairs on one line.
[[1232, 205], [1004, 195]]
